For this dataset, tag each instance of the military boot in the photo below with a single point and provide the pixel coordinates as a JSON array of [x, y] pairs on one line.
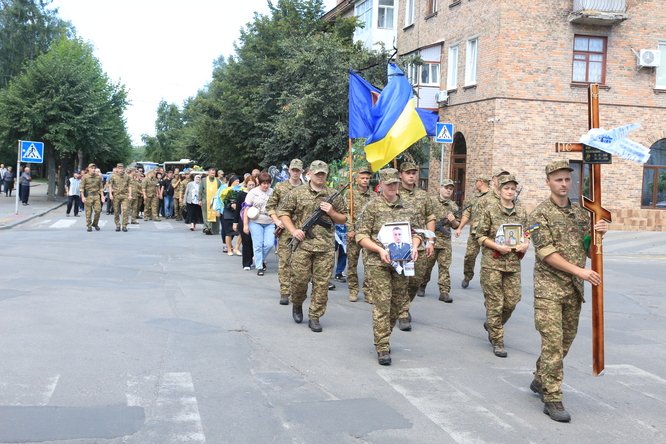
[[499, 351], [384, 358], [537, 388], [314, 325], [284, 299], [444, 297], [465, 283], [420, 292], [556, 411], [353, 297], [297, 313], [404, 324]]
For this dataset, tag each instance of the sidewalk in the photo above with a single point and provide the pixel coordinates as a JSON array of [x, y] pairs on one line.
[[38, 206]]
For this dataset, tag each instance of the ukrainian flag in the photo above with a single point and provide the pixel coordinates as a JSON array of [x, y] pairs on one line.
[[396, 122]]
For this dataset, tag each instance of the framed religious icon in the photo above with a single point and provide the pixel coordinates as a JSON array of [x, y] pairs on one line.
[[397, 239], [510, 235]]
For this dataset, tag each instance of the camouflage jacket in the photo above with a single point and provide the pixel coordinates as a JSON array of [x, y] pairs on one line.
[[300, 203], [360, 200], [560, 230], [91, 186], [443, 226], [472, 210], [278, 197], [136, 188], [379, 212], [120, 184], [150, 184], [490, 218]]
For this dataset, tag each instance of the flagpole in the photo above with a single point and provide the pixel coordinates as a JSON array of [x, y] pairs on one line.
[[351, 185], [16, 176]]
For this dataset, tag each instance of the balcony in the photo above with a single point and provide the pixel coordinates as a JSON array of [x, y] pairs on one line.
[[598, 12]]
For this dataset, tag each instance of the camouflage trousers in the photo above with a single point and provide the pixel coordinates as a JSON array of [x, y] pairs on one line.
[[150, 208], [443, 258], [136, 205], [283, 253], [501, 292], [177, 210], [312, 266], [413, 283], [557, 322], [120, 203], [388, 290], [471, 253], [354, 252], [92, 204]]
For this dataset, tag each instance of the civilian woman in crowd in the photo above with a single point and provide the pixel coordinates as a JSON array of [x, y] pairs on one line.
[[261, 227], [248, 185], [192, 200], [9, 182]]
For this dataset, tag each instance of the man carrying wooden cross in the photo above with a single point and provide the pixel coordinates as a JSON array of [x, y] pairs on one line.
[[560, 233]]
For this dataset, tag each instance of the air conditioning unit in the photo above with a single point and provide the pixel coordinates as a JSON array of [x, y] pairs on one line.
[[649, 58], [442, 96]]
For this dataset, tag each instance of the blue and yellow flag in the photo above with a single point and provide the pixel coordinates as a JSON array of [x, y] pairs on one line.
[[362, 97], [395, 121]]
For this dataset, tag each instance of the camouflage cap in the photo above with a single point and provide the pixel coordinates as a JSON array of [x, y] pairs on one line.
[[120, 165], [365, 168], [500, 172], [506, 178], [408, 166], [560, 164], [483, 178], [446, 183], [296, 164], [318, 166], [389, 175]]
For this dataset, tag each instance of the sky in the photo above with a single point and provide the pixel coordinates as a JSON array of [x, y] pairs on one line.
[[159, 49]]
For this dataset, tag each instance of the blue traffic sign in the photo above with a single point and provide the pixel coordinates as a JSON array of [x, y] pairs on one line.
[[444, 132], [32, 152]]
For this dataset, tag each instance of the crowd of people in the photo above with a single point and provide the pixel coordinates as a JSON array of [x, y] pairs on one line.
[[399, 231]]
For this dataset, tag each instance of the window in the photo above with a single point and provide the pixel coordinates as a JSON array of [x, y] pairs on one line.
[[470, 62], [452, 71], [589, 59], [363, 12], [410, 12], [430, 74], [661, 70], [431, 7], [385, 14], [413, 74], [654, 177]]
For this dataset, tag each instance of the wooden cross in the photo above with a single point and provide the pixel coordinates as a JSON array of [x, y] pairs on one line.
[[598, 213]]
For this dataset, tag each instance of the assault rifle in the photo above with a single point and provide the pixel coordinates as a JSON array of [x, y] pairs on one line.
[[315, 219], [441, 224]]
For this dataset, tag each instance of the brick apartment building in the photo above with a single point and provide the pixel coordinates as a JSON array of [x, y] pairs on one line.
[[513, 75]]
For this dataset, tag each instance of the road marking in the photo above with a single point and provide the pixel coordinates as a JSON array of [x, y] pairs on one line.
[[425, 390], [163, 226], [174, 415], [63, 223], [646, 383], [34, 392]]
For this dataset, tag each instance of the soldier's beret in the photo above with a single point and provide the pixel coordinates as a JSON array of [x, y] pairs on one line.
[[555, 165], [408, 166], [318, 166], [446, 183], [389, 175], [296, 164], [506, 178]]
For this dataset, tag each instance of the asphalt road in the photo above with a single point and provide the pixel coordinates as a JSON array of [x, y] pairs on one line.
[[156, 336]]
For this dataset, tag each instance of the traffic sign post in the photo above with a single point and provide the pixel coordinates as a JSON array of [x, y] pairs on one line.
[[444, 134], [28, 152]]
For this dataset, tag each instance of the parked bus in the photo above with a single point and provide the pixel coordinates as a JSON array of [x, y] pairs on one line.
[[147, 166], [183, 165]]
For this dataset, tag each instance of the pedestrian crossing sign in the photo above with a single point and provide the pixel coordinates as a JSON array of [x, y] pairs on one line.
[[444, 132], [32, 152]]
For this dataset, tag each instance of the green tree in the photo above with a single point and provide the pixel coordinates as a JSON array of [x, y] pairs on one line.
[[64, 99], [166, 144]]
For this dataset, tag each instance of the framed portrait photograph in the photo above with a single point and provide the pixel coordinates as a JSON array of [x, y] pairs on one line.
[[397, 239], [513, 235]]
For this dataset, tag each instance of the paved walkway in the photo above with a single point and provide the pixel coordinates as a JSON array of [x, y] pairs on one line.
[[38, 206]]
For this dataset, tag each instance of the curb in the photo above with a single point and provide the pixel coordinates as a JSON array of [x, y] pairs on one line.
[[34, 216]]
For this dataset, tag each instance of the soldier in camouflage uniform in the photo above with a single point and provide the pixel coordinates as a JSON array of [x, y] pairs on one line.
[[361, 194], [424, 218], [135, 201], [177, 184], [470, 215], [92, 196], [560, 234], [120, 193], [500, 262], [313, 259], [444, 212], [388, 287], [150, 196], [283, 236]]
